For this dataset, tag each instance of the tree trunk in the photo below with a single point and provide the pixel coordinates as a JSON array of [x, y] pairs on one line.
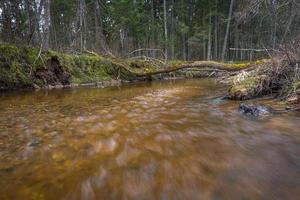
[[99, 36], [209, 38], [82, 24], [288, 25], [166, 29], [183, 47], [172, 33], [46, 38], [29, 20], [227, 30]]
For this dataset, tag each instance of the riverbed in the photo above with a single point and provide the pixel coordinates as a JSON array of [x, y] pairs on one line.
[[159, 140]]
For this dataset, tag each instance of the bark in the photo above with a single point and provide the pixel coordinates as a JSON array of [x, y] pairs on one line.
[[29, 16], [216, 55], [166, 29], [82, 24], [288, 25], [172, 33], [37, 36], [209, 38], [99, 36], [46, 38], [227, 30], [6, 15]]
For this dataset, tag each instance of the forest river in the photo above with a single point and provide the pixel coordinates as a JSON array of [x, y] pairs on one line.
[[159, 140]]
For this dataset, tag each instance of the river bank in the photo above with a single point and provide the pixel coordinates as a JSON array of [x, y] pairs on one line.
[[29, 68], [26, 67]]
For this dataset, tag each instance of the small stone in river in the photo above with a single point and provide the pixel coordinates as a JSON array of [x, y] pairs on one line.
[[255, 110]]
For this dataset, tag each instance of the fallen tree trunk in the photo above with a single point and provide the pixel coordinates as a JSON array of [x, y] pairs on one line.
[[198, 64], [126, 73]]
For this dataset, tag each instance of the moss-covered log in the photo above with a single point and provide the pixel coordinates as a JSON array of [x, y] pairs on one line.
[[143, 71]]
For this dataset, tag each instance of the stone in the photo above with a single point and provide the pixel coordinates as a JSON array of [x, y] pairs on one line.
[[255, 110]]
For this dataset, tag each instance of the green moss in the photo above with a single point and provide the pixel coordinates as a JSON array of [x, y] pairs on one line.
[[245, 89], [177, 63], [137, 64], [14, 69], [251, 87], [242, 65], [85, 68], [292, 89], [142, 66], [189, 74], [19, 65], [247, 83], [296, 85], [30, 56], [9, 52]]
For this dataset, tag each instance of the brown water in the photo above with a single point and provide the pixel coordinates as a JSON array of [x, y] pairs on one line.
[[163, 140]]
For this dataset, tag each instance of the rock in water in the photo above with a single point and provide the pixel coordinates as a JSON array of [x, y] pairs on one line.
[[255, 110]]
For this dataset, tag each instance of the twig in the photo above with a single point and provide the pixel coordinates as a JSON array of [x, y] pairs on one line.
[[137, 50], [149, 59], [212, 73], [90, 52], [145, 49], [268, 52]]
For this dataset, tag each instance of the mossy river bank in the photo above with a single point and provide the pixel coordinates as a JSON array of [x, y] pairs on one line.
[[156, 140]]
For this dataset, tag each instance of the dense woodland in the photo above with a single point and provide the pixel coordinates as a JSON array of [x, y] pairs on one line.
[[175, 29]]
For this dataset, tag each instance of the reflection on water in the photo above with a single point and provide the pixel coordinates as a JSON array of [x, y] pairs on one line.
[[164, 140]]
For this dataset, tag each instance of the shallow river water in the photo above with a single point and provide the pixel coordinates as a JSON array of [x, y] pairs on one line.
[[160, 140]]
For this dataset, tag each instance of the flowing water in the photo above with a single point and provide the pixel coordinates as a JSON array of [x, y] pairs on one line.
[[160, 140]]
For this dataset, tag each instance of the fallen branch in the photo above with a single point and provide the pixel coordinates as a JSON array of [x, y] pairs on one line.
[[91, 52], [256, 50], [138, 50], [197, 64]]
